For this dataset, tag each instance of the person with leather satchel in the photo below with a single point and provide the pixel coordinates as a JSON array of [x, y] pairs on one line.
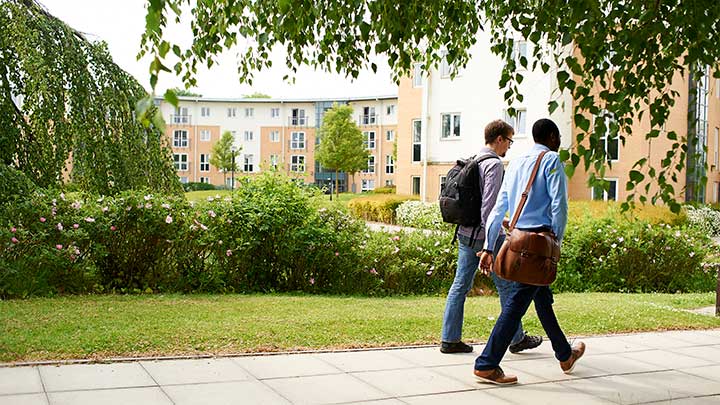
[[535, 192]]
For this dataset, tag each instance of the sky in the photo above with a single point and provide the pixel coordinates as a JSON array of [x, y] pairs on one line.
[[121, 23]]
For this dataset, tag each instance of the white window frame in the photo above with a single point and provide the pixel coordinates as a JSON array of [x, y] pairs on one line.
[[180, 165], [183, 179], [370, 169], [604, 138], [205, 135], [389, 182], [274, 112], [248, 136], [441, 182], [204, 162], [390, 135], [181, 116], [518, 46], [205, 180], [299, 119], [248, 165], [297, 163], [417, 80], [454, 120], [181, 141], [204, 111], [446, 69], [249, 112], [605, 192], [518, 122], [297, 140], [368, 116], [232, 112], [274, 136], [370, 140], [367, 185], [390, 110], [716, 158], [389, 164], [412, 185], [274, 161], [416, 140]]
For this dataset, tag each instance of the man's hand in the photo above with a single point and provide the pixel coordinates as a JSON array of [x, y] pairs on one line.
[[486, 262]]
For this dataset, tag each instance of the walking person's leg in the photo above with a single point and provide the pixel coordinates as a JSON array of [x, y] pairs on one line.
[[563, 352], [467, 264]]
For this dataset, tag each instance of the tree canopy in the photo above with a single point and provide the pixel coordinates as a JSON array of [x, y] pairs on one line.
[[63, 99], [630, 49], [341, 145], [221, 155]]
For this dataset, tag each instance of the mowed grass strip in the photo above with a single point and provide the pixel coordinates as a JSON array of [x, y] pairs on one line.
[[112, 326]]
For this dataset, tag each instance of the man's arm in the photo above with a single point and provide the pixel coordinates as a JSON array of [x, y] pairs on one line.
[[493, 176], [494, 220], [557, 189]]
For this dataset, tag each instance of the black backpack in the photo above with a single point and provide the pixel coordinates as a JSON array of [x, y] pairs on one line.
[[460, 196]]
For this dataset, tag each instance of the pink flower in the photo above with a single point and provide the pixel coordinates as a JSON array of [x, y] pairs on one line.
[[168, 219], [62, 196], [105, 209], [58, 246], [166, 206], [429, 272], [373, 271], [148, 197], [112, 227], [312, 280], [212, 213], [76, 226], [396, 238], [89, 219], [13, 229], [337, 253], [228, 252], [42, 219], [397, 249], [14, 240]]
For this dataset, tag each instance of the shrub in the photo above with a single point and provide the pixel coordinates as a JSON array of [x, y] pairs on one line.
[[14, 184], [582, 210], [418, 214], [704, 219], [379, 208], [385, 190], [194, 186]]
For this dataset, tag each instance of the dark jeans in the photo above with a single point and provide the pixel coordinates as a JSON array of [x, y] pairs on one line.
[[517, 304]]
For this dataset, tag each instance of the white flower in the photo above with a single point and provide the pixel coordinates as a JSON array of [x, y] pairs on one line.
[[148, 197], [89, 219], [614, 245], [212, 213], [168, 219], [621, 239], [210, 199], [166, 206], [59, 226], [437, 243], [62, 196], [692, 254]]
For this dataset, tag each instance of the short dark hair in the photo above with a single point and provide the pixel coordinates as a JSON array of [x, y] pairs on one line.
[[542, 129], [496, 129]]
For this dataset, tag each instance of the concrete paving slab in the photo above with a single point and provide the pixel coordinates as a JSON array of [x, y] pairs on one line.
[[616, 364], [458, 398], [20, 380], [431, 356], [550, 394], [381, 402], [655, 340], [464, 373], [613, 344], [549, 369], [124, 396], [417, 381], [365, 360], [711, 372], [195, 371], [325, 389], [250, 392], [25, 399], [95, 376], [710, 353], [709, 400], [667, 359], [694, 338], [280, 366]]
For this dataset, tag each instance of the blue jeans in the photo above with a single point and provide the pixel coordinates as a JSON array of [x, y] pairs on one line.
[[467, 265], [517, 303]]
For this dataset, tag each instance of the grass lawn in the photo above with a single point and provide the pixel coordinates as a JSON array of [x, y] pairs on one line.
[[109, 326], [204, 194]]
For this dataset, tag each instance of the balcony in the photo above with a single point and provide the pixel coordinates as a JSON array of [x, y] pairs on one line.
[[367, 120], [181, 119], [297, 121]]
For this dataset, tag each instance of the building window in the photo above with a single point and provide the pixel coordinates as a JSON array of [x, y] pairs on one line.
[[370, 165], [390, 135], [204, 180], [716, 192], [389, 164], [390, 110], [180, 138], [417, 75], [297, 140], [717, 88], [417, 137], [181, 161], [249, 112], [274, 162], [274, 136], [274, 112], [248, 163], [416, 185], [297, 163], [600, 194], [205, 135], [517, 122], [717, 147], [442, 183], [610, 144], [520, 52], [368, 117], [181, 116], [298, 117], [204, 111], [248, 135], [369, 139], [450, 126], [232, 112], [367, 185], [389, 183], [204, 162], [183, 179], [446, 69]]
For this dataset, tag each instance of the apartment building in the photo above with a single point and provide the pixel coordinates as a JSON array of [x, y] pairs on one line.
[[278, 134], [441, 120]]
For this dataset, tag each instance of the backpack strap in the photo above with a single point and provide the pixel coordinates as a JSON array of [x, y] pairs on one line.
[[454, 239], [525, 194]]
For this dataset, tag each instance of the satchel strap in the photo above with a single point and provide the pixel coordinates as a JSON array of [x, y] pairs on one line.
[[525, 194]]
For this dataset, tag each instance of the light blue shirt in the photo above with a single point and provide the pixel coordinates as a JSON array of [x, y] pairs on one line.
[[547, 204]]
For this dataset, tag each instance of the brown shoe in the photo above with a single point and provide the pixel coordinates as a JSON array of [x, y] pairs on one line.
[[568, 365], [495, 376]]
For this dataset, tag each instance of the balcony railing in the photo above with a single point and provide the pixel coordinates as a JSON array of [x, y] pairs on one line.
[[297, 121], [370, 119], [181, 119]]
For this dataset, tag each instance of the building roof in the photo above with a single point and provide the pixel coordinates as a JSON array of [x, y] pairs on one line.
[[281, 100]]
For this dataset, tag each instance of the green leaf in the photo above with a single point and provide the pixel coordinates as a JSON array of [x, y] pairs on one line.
[[164, 48], [552, 106], [171, 97], [636, 176]]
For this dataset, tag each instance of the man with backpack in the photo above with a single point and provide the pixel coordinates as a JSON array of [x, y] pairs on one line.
[[467, 199]]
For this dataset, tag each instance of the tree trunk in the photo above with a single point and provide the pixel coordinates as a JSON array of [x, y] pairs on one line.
[[337, 193]]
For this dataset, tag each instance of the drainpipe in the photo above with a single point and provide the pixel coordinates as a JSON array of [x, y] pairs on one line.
[[196, 162], [424, 133], [380, 140]]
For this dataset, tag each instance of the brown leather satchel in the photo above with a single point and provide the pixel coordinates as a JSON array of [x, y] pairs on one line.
[[528, 257]]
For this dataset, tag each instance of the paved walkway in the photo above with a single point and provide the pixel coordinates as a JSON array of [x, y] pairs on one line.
[[672, 367]]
